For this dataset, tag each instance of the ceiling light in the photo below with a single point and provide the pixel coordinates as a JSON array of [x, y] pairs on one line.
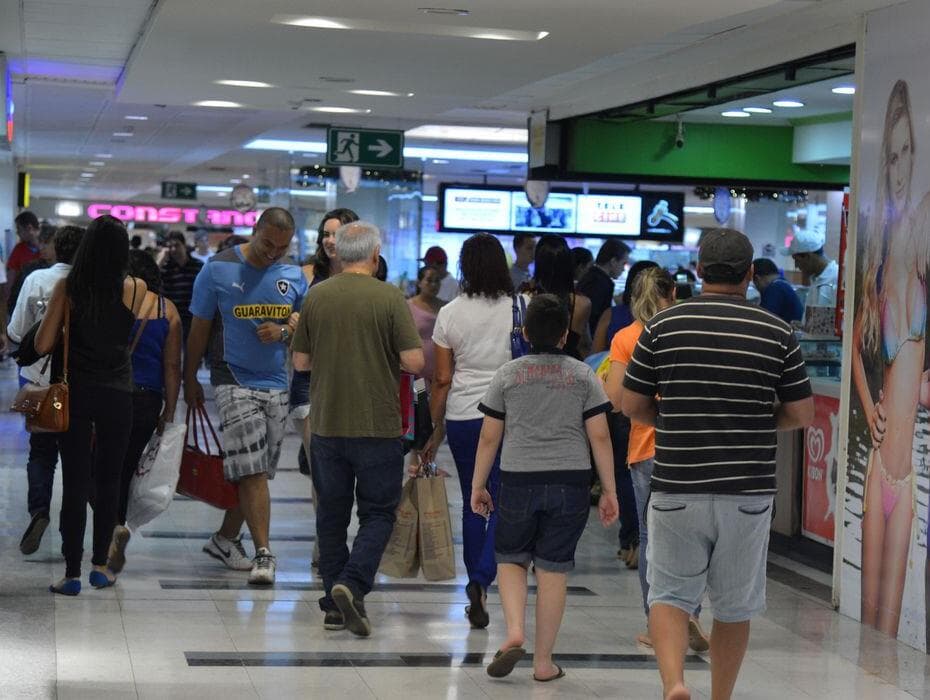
[[216, 103], [757, 110], [409, 151], [381, 93], [444, 11], [401, 27], [246, 176], [844, 90], [477, 134], [68, 209], [313, 23], [789, 104], [122, 133], [216, 189], [235, 181], [97, 163], [307, 193], [244, 83], [440, 161], [136, 117], [87, 174], [339, 110], [103, 155], [737, 114]]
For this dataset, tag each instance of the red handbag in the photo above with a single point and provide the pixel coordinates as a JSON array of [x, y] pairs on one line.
[[201, 470]]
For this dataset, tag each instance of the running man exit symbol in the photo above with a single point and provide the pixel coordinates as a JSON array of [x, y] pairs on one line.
[[367, 148]]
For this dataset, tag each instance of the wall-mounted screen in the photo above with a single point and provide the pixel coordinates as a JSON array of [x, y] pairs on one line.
[[557, 215], [663, 216], [476, 209], [609, 214]]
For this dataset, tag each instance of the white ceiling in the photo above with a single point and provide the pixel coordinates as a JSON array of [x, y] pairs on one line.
[[81, 66]]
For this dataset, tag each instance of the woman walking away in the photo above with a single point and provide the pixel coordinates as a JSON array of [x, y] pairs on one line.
[[471, 341], [155, 349], [102, 303]]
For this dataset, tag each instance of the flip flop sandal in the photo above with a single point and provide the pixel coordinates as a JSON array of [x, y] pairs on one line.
[[504, 661], [560, 674]]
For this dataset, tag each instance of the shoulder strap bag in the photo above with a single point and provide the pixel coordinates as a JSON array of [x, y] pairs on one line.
[[47, 408], [519, 346]]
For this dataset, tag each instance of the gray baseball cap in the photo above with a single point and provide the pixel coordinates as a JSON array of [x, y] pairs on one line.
[[726, 247]]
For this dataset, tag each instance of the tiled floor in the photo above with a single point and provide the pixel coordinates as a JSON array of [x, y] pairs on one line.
[[179, 625]]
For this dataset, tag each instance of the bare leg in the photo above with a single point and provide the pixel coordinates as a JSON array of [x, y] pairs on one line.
[[894, 563], [511, 582], [668, 627], [727, 648], [232, 523], [550, 606], [255, 502], [873, 534]]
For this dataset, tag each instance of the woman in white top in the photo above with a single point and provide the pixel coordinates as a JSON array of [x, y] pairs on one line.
[[471, 341]]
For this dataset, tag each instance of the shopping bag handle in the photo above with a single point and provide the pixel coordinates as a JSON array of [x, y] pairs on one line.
[[199, 416]]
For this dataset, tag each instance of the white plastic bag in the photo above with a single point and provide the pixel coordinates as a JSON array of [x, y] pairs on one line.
[[156, 477]]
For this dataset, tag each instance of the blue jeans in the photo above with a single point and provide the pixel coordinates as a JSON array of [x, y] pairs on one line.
[[641, 476], [477, 533], [40, 468], [345, 470], [619, 437]]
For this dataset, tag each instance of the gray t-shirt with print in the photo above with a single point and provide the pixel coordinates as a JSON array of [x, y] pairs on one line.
[[544, 400]]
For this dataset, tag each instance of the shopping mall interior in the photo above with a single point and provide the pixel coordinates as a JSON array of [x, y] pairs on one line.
[[647, 122]]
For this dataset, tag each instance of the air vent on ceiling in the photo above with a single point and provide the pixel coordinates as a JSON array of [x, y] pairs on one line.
[[217, 169], [444, 11], [302, 104], [331, 79]]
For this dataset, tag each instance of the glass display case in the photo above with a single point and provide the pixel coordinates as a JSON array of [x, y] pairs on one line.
[[822, 355]]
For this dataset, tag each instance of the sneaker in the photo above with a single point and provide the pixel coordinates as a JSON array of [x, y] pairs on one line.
[[116, 558], [697, 640], [263, 567], [352, 609], [32, 538], [230, 552], [333, 621]]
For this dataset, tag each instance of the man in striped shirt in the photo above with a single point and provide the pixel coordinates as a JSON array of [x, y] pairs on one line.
[[717, 377]]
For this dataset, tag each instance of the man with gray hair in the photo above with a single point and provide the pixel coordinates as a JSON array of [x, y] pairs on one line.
[[356, 334]]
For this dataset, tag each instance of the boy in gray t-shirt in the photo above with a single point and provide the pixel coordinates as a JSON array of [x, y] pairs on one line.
[[546, 407]]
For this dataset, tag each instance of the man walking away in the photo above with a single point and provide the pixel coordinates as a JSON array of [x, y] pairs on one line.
[[729, 375], [598, 282], [356, 334]]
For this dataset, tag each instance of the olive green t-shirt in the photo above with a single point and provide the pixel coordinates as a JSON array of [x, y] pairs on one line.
[[354, 328]]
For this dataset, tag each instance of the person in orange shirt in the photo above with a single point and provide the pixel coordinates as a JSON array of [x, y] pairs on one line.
[[653, 290]]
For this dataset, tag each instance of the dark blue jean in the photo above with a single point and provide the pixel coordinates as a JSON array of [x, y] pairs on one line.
[[477, 533], [619, 437], [365, 471], [40, 468]]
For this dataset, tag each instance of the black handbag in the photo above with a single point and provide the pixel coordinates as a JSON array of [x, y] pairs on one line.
[[26, 355]]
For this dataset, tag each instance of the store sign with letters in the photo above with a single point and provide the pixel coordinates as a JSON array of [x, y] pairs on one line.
[[148, 213]]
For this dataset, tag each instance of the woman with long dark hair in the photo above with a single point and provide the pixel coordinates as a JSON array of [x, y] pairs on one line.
[[102, 302], [553, 273], [471, 340]]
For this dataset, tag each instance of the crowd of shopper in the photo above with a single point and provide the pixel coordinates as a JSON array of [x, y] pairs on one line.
[[528, 424]]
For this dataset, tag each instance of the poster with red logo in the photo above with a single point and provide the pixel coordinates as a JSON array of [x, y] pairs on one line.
[[819, 490]]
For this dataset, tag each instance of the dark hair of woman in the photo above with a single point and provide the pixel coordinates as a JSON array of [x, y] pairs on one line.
[[231, 242], [483, 265], [99, 268], [382, 272], [321, 263], [143, 266], [554, 267], [634, 272], [421, 273]]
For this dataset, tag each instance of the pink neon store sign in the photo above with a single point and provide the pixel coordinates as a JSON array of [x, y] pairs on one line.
[[146, 213]]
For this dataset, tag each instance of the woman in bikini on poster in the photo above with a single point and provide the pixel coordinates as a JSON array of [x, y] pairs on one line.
[[888, 338]]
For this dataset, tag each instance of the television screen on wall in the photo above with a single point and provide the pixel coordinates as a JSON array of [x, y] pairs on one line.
[[557, 215], [475, 209]]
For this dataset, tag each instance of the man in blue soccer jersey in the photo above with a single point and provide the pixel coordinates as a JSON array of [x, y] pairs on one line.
[[243, 298]]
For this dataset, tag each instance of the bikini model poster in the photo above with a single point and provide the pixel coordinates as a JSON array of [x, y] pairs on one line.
[[884, 547]]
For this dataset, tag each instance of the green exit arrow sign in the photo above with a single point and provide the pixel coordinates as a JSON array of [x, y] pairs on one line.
[[179, 190], [368, 148]]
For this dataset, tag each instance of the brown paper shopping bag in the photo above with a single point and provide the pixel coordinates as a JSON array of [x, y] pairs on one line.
[[437, 554], [401, 558]]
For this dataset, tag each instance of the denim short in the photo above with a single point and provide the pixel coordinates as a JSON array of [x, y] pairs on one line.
[[709, 542], [540, 524], [300, 395]]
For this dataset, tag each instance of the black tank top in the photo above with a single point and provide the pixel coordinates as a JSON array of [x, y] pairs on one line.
[[100, 346]]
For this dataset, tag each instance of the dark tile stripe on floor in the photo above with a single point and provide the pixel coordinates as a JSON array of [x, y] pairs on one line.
[[417, 660], [205, 535], [274, 499], [800, 583], [417, 587]]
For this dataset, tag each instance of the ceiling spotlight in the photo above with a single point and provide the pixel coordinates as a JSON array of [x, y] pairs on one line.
[[244, 83], [844, 90], [736, 114], [788, 104], [217, 103], [444, 11], [757, 110]]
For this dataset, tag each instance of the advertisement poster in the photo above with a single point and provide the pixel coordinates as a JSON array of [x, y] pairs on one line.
[[884, 538], [819, 488]]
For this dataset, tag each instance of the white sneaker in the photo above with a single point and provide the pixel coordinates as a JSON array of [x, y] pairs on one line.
[[263, 568], [230, 552]]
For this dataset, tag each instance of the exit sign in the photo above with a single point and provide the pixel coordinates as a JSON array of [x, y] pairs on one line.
[[179, 190], [368, 148]]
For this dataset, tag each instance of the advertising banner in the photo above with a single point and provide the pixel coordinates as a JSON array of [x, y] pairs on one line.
[[884, 538], [819, 488]]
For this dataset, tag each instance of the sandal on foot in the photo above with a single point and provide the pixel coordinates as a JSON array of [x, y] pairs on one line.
[[98, 579], [504, 661], [67, 586], [560, 674], [477, 611]]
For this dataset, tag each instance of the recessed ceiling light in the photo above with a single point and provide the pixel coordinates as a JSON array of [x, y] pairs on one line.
[[236, 181], [736, 114], [136, 117], [789, 104], [845, 90], [339, 110], [246, 176], [217, 103], [97, 163], [477, 134], [122, 133], [440, 161], [381, 93], [444, 11], [757, 110], [315, 23], [402, 27], [87, 174], [244, 83], [103, 155]]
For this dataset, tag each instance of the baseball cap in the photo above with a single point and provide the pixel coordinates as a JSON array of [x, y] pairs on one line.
[[435, 256], [726, 247], [808, 240]]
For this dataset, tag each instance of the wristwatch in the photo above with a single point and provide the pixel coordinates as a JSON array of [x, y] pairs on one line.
[[285, 332]]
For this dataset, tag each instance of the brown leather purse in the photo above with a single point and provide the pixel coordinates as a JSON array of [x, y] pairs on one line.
[[46, 407]]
